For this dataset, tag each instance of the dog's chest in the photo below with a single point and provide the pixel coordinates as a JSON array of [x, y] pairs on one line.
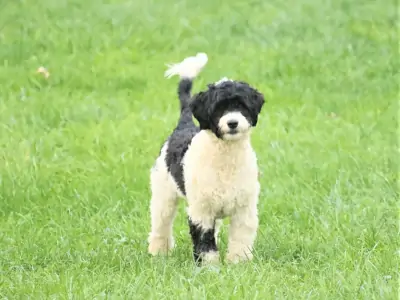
[[222, 178]]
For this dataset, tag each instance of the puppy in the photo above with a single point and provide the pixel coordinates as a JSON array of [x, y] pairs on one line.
[[213, 166]]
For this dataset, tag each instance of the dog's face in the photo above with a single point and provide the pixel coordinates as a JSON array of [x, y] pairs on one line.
[[229, 109]]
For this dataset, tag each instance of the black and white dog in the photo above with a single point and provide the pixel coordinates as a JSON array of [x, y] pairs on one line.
[[213, 166]]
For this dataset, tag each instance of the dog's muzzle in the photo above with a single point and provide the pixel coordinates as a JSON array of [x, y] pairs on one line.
[[233, 125]]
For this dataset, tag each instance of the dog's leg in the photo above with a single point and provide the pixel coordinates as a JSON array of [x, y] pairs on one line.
[[202, 231], [163, 209], [242, 233]]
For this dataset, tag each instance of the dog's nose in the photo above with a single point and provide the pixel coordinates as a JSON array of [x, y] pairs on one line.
[[232, 124]]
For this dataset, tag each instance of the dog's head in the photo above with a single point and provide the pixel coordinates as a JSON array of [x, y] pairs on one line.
[[228, 108]]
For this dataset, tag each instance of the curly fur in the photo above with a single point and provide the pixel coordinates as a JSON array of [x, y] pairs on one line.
[[214, 167]]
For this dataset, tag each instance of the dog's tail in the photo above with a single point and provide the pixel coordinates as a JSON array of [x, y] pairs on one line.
[[187, 70]]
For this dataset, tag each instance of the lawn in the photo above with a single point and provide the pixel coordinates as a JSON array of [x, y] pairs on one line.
[[76, 148]]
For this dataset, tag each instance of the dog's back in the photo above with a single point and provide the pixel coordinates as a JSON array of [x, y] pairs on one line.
[[182, 136]]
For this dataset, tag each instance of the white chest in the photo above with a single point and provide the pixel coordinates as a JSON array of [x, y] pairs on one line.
[[220, 176]]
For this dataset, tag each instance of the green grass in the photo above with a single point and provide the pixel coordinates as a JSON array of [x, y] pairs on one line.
[[76, 149]]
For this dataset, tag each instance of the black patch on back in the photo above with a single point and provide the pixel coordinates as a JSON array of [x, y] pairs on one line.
[[178, 144], [181, 137]]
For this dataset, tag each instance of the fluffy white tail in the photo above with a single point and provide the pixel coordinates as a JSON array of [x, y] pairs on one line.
[[189, 68]]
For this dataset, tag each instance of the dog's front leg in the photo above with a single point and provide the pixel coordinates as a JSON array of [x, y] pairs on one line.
[[242, 233], [202, 231]]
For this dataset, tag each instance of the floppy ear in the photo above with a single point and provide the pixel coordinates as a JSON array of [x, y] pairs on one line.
[[198, 106], [257, 101]]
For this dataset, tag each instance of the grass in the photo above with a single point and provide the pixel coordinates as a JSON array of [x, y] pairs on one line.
[[76, 148]]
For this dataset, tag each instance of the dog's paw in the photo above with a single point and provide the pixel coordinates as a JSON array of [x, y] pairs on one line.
[[210, 258], [238, 257], [160, 246]]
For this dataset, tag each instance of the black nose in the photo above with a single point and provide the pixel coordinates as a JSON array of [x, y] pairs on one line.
[[232, 124]]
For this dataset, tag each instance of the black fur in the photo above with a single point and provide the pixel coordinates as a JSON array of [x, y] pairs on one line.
[[184, 88], [181, 137], [208, 106], [178, 144], [203, 241]]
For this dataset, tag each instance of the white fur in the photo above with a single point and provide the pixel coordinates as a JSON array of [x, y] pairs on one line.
[[221, 179], [189, 68], [222, 80], [163, 206], [211, 257], [242, 128]]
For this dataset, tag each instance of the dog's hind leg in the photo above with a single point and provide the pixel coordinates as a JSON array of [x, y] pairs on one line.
[[163, 207]]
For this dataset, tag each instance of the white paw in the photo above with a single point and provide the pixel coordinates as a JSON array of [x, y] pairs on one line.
[[210, 258], [160, 245], [237, 257]]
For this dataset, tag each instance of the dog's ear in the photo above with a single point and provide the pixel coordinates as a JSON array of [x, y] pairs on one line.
[[257, 101], [199, 108]]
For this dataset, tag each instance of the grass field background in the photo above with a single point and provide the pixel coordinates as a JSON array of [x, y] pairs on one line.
[[76, 148]]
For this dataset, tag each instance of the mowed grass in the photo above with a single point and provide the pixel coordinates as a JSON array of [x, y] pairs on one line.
[[76, 148]]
